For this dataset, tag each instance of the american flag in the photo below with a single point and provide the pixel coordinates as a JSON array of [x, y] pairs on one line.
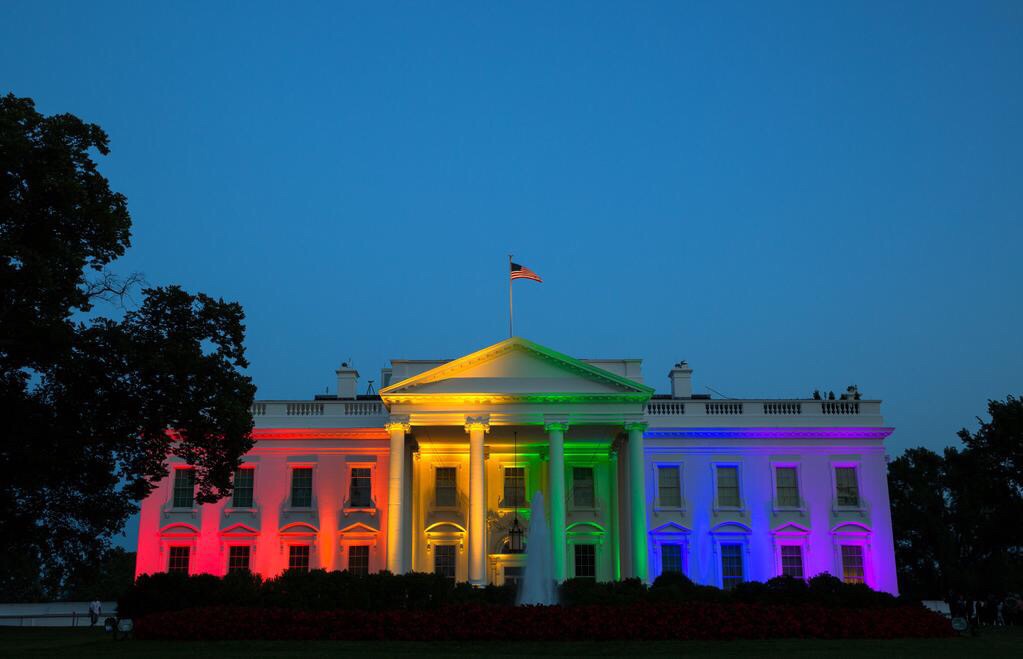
[[522, 272]]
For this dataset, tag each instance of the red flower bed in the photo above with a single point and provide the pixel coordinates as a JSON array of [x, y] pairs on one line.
[[705, 621]]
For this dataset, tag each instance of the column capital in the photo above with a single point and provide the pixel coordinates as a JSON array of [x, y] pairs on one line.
[[481, 421], [555, 422], [398, 421], [635, 426]]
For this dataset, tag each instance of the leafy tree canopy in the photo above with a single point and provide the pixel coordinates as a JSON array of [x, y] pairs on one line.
[[87, 404]]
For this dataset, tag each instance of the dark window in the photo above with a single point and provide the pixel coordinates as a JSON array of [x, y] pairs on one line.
[[184, 488], [446, 488], [792, 561], [178, 561], [298, 557], [302, 487], [582, 487], [512, 574], [243, 479], [669, 487], [847, 489], [671, 558], [852, 563], [728, 487], [731, 566], [361, 491], [586, 561], [238, 559], [444, 561], [514, 487], [358, 559], [788, 486]]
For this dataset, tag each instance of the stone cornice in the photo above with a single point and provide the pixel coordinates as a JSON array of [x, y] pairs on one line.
[[550, 398], [768, 433]]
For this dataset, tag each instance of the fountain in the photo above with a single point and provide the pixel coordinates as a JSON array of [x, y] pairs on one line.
[[538, 581]]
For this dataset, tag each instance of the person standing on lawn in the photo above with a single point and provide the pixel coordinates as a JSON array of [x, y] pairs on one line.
[[95, 609]]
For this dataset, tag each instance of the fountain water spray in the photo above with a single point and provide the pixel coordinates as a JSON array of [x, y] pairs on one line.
[[538, 585]]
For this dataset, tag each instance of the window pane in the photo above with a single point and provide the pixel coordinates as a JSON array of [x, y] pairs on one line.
[[669, 487], [671, 558], [852, 563], [514, 487], [444, 561], [792, 561], [358, 559], [446, 490], [298, 557], [238, 559], [512, 574], [243, 480], [788, 486], [728, 487], [184, 488], [582, 487], [848, 490], [302, 487], [586, 561], [361, 490], [731, 566], [178, 561]]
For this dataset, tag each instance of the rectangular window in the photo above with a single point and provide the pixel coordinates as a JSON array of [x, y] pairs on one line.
[[728, 487], [444, 561], [238, 559], [671, 558], [582, 487], [243, 480], [792, 561], [446, 488], [731, 566], [669, 486], [852, 563], [512, 574], [298, 557], [514, 487], [302, 487], [360, 491], [184, 488], [787, 484], [586, 561], [847, 489], [178, 561], [358, 560]]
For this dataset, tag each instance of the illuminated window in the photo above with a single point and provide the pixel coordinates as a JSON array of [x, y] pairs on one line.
[[302, 487], [792, 561], [178, 560], [238, 559], [728, 487], [787, 485], [444, 561], [852, 563], [847, 490], [671, 558], [586, 561], [446, 488], [184, 488], [514, 487], [360, 493], [731, 566], [298, 558], [358, 559], [669, 486], [243, 480], [582, 487]]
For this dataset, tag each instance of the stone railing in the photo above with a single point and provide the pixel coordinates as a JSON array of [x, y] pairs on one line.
[[798, 410], [319, 408]]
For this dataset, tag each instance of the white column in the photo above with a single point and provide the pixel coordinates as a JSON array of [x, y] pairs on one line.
[[556, 475], [477, 427], [637, 499], [397, 427]]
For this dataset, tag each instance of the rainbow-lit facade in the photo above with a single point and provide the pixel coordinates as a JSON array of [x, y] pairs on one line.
[[430, 474]]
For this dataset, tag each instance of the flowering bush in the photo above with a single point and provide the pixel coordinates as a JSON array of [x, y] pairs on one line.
[[645, 621]]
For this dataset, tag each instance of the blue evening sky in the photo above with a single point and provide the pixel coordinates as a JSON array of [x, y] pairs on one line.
[[788, 195]]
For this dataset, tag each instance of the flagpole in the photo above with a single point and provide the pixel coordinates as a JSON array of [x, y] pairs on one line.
[[511, 309]]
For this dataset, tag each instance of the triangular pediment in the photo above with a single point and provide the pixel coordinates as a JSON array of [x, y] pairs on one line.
[[518, 369]]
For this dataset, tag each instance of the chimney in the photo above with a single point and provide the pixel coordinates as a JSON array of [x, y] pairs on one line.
[[681, 380], [347, 381]]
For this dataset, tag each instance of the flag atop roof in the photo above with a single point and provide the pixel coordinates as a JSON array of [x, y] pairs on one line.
[[522, 272]]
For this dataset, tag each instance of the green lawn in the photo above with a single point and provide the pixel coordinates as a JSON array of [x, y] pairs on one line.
[[82, 643]]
